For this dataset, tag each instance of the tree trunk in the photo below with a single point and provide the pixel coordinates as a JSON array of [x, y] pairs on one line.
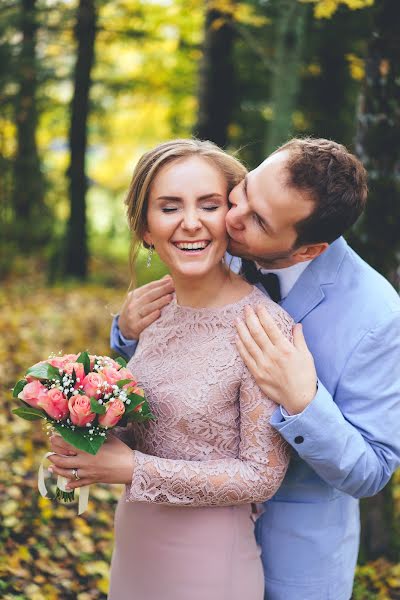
[[216, 81], [290, 25], [76, 252], [28, 180], [378, 144], [378, 240], [380, 531]]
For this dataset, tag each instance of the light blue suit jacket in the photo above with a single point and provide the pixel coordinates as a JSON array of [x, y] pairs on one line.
[[346, 443]]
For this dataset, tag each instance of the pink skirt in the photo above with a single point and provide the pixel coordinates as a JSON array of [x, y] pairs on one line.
[[167, 552]]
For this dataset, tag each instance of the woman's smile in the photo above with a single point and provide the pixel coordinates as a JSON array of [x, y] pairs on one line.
[[192, 248]]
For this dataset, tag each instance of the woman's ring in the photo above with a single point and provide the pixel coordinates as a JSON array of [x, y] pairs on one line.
[[75, 474]]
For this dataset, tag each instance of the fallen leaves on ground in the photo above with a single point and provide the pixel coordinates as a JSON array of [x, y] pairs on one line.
[[47, 552]]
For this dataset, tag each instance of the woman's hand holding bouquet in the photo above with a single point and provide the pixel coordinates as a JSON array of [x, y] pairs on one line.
[[81, 397]]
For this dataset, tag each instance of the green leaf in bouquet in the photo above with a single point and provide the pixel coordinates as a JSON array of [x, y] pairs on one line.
[[81, 439], [29, 413], [44, 371], [135, 401], [121, 361], [123, 382], [134, 415], [97, 408], [85, 360], [19, 386]]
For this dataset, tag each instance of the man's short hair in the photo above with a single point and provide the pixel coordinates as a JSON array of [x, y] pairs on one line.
[[334, 179]]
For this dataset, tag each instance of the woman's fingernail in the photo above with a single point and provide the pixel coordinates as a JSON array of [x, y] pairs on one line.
[[50, 469]]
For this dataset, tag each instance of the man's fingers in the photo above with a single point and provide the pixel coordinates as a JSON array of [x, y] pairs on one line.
[[251, 346], [271, 328], [155, 288], [257, 331], [154, 296], [246, 357], [149, 319], [298, 337]]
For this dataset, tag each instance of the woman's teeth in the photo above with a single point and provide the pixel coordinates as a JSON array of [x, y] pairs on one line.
[[192, 246]]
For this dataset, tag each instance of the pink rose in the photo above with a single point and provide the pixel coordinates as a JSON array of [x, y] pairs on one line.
[[125, 374], [114, 411], [77, 367], [54, 403], [31, 392], [70, 357], [91, 383], [138, 391], [57, 362], [111, 375], [80, 410]]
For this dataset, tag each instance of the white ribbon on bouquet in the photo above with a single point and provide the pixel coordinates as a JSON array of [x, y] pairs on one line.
[[61, 484]]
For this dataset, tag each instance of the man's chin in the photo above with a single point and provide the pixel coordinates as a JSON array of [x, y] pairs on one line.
[[235, 249]]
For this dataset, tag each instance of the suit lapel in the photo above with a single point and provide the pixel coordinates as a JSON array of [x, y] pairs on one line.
[[308, 291]]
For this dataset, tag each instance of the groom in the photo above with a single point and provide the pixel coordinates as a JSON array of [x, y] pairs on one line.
[[338, 387]]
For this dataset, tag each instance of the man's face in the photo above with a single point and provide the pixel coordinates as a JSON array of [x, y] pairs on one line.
[[261, 222]]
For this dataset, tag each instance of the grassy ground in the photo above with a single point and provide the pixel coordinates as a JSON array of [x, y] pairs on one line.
[[47, 552]]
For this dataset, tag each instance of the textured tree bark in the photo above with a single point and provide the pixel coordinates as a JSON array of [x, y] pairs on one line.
[[76, 250], [216, 79], [378, 239], [28, 180], [378, 144], [290, 26]]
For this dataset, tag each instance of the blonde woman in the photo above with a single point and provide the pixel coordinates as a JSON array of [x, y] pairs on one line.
[[183, 528]]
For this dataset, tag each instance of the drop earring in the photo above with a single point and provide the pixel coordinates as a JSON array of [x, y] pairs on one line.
[[150, 256]]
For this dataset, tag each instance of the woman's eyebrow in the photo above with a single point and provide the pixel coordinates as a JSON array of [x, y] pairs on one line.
[[179, 199]]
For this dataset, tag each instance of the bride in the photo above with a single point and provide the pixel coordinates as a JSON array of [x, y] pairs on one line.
[[183, 527]]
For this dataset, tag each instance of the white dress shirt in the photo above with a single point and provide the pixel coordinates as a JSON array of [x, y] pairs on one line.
[[287, 276]]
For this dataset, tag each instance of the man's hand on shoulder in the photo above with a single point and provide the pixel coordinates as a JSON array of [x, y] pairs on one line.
[[143, 306], [284, 371]]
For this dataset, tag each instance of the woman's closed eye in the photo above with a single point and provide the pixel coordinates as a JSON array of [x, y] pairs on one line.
[[171, 209]]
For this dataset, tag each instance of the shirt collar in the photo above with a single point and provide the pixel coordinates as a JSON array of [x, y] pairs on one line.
[[287, 276]]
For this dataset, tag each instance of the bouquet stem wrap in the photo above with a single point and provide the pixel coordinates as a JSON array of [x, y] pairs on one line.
[[61, 483]]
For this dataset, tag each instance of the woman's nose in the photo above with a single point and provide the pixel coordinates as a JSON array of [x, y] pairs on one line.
[[191, 221]]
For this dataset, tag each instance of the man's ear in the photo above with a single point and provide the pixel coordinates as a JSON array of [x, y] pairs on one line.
[[310, 252]]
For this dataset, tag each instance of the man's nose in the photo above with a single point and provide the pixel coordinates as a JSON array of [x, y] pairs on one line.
[[236, 214]]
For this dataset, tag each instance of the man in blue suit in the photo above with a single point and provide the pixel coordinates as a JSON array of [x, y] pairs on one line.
[[338, 385]]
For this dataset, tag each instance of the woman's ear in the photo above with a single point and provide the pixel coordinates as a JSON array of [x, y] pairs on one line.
[[147, 238]]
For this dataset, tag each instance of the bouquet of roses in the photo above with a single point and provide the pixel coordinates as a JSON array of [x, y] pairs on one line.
[[81, 397]]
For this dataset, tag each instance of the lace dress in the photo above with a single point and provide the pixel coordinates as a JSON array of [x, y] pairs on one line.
[[183, 530]]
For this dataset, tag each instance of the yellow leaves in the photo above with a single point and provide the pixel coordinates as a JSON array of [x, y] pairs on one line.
[[356, 66], [379, 579], [240, 12], [42, 542], [324, 9], [9, 508], [313, 69], [8, 131]]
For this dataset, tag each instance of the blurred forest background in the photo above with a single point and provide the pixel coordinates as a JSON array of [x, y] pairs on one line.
[[86, 86]]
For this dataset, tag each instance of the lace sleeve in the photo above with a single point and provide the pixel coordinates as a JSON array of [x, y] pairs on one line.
[[252, 477]]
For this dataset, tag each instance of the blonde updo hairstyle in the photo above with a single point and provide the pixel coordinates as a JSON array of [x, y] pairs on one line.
[[150, 164]]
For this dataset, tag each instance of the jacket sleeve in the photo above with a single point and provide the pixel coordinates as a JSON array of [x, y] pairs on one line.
[[254, 476], [352, 439], [120, 344]]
